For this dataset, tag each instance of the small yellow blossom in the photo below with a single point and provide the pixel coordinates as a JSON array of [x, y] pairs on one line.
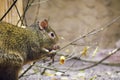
[[84, 52], [62, 59]]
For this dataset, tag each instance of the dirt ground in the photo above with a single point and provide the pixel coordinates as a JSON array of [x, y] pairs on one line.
[[72, 66]]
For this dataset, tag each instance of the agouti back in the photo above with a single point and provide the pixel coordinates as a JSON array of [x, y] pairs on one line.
[[18, 46]]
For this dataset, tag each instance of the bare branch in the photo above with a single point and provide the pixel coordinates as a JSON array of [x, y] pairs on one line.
[[37, 12], [17, 11], [8, 10], [23, 15], [104, 63], [110, 54], [94, 31], [38, 3], [27, 70]]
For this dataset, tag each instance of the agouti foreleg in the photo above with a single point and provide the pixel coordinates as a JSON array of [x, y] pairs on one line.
[[10, 65]]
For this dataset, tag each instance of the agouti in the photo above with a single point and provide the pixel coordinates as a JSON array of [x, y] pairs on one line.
[[18, 46]]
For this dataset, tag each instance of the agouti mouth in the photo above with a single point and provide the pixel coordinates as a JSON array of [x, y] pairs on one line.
[[52, 50]]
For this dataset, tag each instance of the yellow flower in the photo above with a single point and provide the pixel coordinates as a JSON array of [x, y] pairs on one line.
[[62, 59], [84, 52]]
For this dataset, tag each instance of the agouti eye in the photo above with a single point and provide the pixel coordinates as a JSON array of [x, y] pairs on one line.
[[52, 35]]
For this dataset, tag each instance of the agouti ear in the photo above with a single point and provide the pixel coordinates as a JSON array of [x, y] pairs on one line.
[[43, 24]]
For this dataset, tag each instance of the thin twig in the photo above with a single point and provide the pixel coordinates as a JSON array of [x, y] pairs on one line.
[[27, 70], [31, 66], [26, 8], [96, 63], [8, 10], [94, 31], [54, 69], [17, 11], [91, 61], [49, 68], [23, 15], [45, 69], [36, 17], [111, 53], [38, 3]]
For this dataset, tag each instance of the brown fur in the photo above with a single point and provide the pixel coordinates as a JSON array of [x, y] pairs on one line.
[[19, 46]]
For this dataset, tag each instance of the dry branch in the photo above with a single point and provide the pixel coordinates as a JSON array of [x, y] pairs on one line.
[[110, 54], [8, 10], [94, 31], [23, 15]]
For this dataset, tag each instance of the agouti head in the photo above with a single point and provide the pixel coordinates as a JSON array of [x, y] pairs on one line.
[[47, 36]]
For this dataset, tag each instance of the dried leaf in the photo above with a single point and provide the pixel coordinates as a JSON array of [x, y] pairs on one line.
[[36, 70], [49, 74], [58, 73], [84, 52], [93, 78], [95, 51], [54, 78], [67, 50], [108, 73], [81, 75], [64, 78], [62, 38]]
